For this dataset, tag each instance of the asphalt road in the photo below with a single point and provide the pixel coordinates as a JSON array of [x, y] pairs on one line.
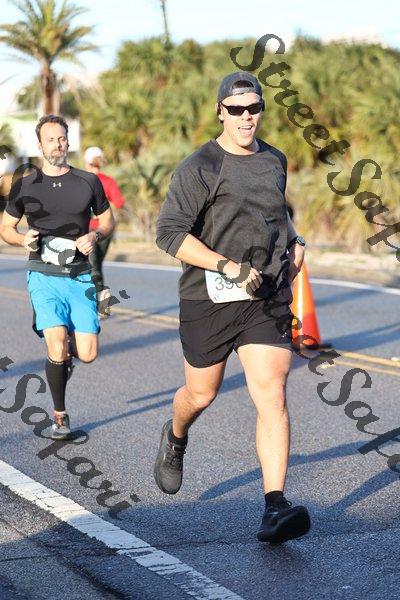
[[208, 529]]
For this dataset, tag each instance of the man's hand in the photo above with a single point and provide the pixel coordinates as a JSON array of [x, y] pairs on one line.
[[243, 275], [86, 243], [30, 242]]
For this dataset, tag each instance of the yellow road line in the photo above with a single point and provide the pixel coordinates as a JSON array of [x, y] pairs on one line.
[[13, 292], [368, 358], [360, 365], [141, 314], [164, 321], [143, 318], [169, 322]]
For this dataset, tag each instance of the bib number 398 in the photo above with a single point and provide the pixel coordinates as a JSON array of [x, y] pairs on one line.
[[220, 289]]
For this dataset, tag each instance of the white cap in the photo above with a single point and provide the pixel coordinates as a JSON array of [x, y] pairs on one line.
[[92, 153]]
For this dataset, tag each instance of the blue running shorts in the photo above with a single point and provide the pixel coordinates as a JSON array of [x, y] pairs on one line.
[[63, 301]]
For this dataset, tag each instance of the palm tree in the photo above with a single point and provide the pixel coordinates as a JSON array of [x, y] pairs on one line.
[[45, 34], [144, 182], [73, 92]]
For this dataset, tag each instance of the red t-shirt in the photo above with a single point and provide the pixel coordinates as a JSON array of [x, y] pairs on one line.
[[113, 195]]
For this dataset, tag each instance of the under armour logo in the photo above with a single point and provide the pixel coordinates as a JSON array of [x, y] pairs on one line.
[[57, 184]]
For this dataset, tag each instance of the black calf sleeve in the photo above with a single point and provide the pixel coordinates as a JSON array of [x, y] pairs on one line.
[[98, 283], [57, 376]]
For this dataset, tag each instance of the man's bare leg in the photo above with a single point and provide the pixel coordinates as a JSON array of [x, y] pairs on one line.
[[266, 369], [85, 346], [56, 342], [200, 389]]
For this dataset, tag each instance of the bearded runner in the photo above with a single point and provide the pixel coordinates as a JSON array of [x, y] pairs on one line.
[[57, 201]]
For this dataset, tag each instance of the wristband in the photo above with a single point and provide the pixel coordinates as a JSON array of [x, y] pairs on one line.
[[297, 240]]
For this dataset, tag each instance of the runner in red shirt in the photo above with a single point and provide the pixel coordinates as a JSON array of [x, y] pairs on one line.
[[94, 160]]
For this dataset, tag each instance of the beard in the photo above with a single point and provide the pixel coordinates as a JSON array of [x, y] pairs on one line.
[[55, 159]]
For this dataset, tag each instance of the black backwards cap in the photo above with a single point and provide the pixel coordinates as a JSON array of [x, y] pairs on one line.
[[226, 86]]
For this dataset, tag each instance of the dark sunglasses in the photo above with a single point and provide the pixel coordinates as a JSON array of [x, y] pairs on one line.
[[237, 111]]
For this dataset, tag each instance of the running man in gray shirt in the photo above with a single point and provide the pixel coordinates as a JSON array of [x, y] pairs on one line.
[[225, 218]]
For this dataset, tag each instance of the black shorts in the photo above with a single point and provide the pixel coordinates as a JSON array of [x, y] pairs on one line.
[[209, 332]]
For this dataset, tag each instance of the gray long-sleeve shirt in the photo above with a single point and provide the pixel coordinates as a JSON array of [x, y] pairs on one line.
[[235, 204]]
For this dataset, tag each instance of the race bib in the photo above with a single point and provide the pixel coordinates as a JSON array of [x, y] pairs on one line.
[[220, 289], [58, 250]]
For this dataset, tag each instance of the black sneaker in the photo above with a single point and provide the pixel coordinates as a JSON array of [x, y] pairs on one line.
[[169, 463], [60, 430], [281, 522]]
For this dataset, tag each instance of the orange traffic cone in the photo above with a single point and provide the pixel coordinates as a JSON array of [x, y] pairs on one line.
[[305, 330]]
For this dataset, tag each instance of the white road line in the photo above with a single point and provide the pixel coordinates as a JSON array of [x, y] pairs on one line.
[[145, 266], [108, 263], [315, 280], [355, 285], [165, 565], [13, 257]]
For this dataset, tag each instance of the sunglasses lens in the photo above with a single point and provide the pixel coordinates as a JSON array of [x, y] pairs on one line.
[[237, 111], [255, 108]]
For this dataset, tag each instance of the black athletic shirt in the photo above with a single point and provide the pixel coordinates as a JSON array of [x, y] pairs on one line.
[[58, 206], [235, 204]]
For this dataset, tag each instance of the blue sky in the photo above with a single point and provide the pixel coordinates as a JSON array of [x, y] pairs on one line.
[[209, 20]]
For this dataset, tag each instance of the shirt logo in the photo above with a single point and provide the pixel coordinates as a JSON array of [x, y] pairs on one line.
[[56, 184]]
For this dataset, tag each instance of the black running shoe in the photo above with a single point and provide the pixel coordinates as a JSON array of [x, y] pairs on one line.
[[60, 430], [281, 522], [169, 463]]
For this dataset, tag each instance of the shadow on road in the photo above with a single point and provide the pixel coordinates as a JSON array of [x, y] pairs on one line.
[[295, 460], [136, 341], [341, 297], [368, 338], [373, 485]]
